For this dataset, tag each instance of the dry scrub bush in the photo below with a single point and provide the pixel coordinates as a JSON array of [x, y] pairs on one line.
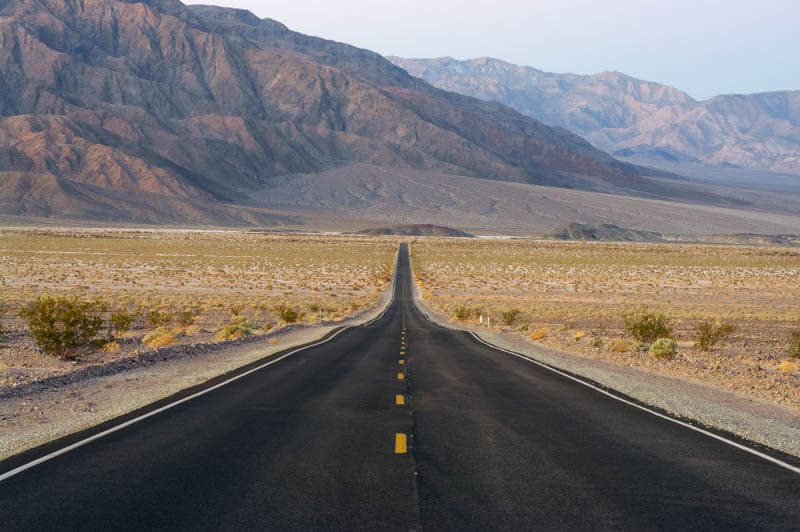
[[287, 314], [579, 335], [621, 346], [462, 313], [789, 366], [120, 322], [237, 329], [709, 334], [111, 347], [158, 318], [664, 348], [62, 325], [510, 317], [646, 326], [161, 337], [186, 318], [793, 345], [539, 334]]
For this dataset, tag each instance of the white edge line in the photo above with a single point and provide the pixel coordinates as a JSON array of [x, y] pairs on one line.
[[152, 413], [732, 443], [81, 443]]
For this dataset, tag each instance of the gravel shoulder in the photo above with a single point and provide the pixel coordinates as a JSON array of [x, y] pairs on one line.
[[767, 424], [35, 415]]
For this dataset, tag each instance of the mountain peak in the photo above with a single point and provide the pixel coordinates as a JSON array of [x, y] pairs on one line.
[[209, 104], [631, 117]]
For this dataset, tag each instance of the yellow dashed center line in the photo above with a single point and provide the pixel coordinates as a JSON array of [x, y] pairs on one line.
[[400, 446], [400, 440]]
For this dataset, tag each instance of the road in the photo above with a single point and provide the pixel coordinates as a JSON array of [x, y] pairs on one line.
[[315, 442]]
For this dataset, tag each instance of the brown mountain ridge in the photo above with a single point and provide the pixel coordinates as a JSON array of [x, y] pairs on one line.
[[119, 110]]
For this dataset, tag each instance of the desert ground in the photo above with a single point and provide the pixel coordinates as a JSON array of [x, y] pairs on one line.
[[573, 297], [181, 287]]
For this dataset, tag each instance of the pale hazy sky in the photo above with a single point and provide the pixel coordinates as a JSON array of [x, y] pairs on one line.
[[704, 47]]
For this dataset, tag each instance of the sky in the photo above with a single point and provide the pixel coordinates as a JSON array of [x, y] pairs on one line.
[[703, 47]]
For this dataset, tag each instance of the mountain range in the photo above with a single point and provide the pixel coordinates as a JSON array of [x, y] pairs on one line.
[[630, 117], [153, 111]]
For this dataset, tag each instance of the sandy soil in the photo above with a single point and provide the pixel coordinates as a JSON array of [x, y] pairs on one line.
[[661, 384], [216, 277], [32, 419], [573, 297]]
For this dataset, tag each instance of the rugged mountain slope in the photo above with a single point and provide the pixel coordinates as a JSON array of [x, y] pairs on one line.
[[627, 116], [204, 104]]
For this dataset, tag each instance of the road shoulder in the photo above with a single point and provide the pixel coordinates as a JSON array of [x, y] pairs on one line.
[[773, 426], [33, 419]]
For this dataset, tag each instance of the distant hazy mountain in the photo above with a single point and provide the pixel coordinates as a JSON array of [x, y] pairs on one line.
[[626, 116], [154, 111]]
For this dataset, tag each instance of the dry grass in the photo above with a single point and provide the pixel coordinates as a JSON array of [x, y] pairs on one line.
[[196, 281], [539, 334], [111, 347], [621, 346], [581, 289], [161, 337]]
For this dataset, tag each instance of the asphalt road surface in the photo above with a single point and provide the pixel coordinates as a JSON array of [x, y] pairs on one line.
[[401, 425]]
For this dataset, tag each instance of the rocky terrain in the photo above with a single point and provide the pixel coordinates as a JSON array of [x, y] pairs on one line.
[[159, 112], [416, 230], [630, 117], [605, 232]]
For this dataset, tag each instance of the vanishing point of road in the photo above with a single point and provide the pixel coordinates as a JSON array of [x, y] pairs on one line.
[[398, 425]]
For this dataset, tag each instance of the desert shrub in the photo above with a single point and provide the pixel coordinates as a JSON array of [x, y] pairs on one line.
[[621, 346], [646, 326], [462, 313], [788, 365], [232, 331], [111, 347], [120, 322], [245, 322], [539, 334], [158, 318], [709, 334], [664, 348], [510, 317], [62, 325], [236, 310], [597, 343], [793, 345], [579, 335], [287, 314], [186, 318], [314, 307], [161, 337]]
